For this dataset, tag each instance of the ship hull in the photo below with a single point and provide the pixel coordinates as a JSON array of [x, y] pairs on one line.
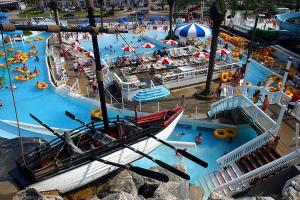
[[94, 170]]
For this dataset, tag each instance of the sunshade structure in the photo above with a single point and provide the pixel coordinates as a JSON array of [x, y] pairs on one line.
[[223, 51], [148, 45], [171, 42], [201, 54], [165, 61], [192, 30], [129, 48], [153, 19], [123, 20]]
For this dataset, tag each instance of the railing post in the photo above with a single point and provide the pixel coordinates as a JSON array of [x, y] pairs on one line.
[[281, 114], [196, 113], [122, 102], [140, 104], [158, 106], [88, 91], [111, 100]]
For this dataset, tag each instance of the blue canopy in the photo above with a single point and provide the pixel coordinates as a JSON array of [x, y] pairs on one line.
[[4, 21], [3, 15], [154, 19], [164, 19], [121, 21]]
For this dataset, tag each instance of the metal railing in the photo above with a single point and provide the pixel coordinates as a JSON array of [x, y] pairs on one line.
[[75, 87], [249, 179]]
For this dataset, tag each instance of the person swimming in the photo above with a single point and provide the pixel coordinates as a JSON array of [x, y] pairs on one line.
[[198, 138]]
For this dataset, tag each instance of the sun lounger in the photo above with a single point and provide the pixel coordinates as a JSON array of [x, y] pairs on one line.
[[172, 53]]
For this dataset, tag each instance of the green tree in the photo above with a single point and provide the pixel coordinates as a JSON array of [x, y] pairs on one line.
[[217, 15], [163, 2], [101, 12]]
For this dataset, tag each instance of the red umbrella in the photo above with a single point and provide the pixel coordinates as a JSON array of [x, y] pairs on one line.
[[165, 61], [88, 53], [171, 42], [78, 48], [75, 43], [199, 54], [223, 52], [129, 48], [148, 45]]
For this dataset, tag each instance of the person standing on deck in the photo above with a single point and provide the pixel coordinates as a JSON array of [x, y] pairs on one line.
[[292, 103], [75, 67], [266, 103]]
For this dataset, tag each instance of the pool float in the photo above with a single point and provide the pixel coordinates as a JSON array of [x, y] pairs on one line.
[[32, 75], [230, 132], [19, 51], [279, 85], [21, 78], [224, 77], [41, 85], [3, 65], [229, 76], [34, 51], [220, 134], [2, 53], [96, 114], [19, 69], [248, 83], [272, 89], [33, 46], [29, 41], [10, 50]]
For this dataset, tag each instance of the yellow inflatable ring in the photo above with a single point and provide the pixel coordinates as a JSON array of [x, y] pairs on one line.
[[21, 78], [3, 65], [96, 113], [272, 89], [279, 85], [32, 75], [221, 134], [229, 78], [10, 50], [2, 53], [18, 69], [224, 77], [231, 132], [248, 83], [41, 85]]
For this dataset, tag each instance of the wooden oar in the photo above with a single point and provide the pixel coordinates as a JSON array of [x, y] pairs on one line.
[[159, 162], [182, 152], [138, 170]]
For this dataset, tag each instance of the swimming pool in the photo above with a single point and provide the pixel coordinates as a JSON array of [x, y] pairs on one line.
[[209, 150], [45, 104], [116, 43]]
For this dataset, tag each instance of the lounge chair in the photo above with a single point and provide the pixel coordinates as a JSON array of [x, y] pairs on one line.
[[172, 53]]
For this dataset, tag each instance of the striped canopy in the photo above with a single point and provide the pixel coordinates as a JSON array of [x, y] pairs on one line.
[[192, 30], [129, 48]]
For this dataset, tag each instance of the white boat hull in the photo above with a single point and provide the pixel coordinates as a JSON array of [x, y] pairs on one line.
[[94, 170]]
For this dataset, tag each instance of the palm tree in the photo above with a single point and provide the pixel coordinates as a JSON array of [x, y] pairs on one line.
[[101, 12], [53, 6], [297, 5], [171, 4], [217, 15]]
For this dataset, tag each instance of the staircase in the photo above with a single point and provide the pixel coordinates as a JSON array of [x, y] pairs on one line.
[[64, 89], [244, 165], [151, 94]]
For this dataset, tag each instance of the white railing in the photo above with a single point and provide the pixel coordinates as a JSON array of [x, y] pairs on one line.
[[256, 115], [247, 180], [75, 87]]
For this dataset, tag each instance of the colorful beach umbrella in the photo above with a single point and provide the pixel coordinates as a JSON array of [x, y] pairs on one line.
[[171, 42], [165, 61], [223, 51], [129, 48], [193, 30], [75, 43], [148, 45]]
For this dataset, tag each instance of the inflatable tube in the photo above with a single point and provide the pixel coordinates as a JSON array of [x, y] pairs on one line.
[[220, 134], [32, 75], [21, 78], [289, 93], [279, 85], [272, 89], [18, 69], [41, 85], [248, 83], [229, 76], [96, 113], [10, 50], [3, 65], [231, 132], [2, 53], [224, 77]]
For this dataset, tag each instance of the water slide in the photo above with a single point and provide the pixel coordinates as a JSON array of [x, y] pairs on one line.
[[289, 22]]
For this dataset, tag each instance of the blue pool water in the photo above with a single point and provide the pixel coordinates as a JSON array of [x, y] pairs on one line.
[[209, 150], [117, 43], [45, 104]]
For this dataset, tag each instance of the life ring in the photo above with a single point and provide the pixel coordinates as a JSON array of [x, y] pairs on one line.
[[96, 113], [33, 46], [41, 85], [21, 78], [272, 89], [18, 69], [279, 85], [32, 75], [221, 134], [231, 132], [29, 41], [10, 50], [2, 53], [224, 77], [248, 83], [229, 78]]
